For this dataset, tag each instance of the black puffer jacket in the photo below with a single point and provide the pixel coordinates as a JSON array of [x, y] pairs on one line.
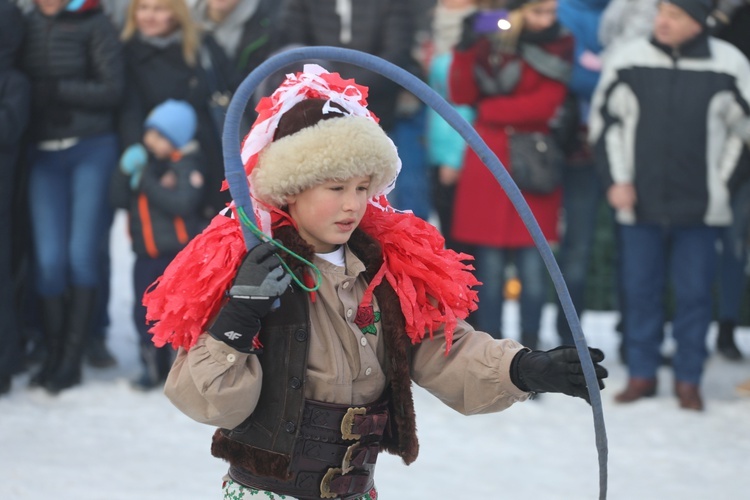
[[74, 61]]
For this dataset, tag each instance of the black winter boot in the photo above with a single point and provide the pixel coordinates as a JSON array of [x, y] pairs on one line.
[[725, 342], [156, 362], [68, 374], [53, 310], [97, 354]]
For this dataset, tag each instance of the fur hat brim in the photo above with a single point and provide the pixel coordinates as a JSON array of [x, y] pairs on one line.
[[334, 149]]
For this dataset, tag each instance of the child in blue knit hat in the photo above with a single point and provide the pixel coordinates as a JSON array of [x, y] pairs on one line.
[[163, 198]]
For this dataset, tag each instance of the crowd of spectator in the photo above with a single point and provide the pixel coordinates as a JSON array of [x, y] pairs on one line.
[[118, 104]]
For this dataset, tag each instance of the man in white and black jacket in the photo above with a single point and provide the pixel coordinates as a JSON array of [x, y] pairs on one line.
[[670, 117]]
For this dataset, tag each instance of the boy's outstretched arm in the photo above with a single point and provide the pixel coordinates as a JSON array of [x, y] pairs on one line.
[[557, 370]]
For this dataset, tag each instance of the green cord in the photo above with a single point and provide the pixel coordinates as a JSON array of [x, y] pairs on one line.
[[262, 237]]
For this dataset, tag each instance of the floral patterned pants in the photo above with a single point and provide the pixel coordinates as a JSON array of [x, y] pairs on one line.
[[236, 491]]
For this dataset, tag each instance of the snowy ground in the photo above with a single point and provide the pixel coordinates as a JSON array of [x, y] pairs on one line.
[[104, 441]]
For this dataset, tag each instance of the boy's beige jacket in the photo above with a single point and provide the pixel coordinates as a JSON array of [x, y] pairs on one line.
[[214, 384]]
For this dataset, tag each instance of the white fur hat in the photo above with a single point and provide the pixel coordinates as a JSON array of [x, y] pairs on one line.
[[317, 140]]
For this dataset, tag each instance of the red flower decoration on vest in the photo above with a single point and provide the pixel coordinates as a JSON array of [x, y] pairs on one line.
[[366, 318]]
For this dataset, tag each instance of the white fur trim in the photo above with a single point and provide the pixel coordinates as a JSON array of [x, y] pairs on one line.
[[337, 148]]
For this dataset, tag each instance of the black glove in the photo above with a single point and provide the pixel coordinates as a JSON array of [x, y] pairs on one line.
[[558, 370], [468, 35], [259, 281]]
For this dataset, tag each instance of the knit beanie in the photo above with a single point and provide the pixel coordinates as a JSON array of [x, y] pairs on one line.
[[318, 140], [697, 9], [175, 120]]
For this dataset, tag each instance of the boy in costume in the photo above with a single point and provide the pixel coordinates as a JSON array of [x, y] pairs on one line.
[[307, 366]]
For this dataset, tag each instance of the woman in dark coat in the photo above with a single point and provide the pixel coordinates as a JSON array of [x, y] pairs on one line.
[[167, 59], [74, 61]]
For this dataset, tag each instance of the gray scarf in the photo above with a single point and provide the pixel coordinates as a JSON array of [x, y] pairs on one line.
[[162, 41], [228, 32]]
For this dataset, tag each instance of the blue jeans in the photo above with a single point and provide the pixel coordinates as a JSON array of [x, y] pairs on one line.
[[688, 254], [490, 270], [69, 199], [731, 279], [582, 195]]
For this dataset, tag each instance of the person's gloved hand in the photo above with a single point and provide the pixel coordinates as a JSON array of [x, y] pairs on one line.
[[259, 281], [469, 36], [132, 163], [558, 370]]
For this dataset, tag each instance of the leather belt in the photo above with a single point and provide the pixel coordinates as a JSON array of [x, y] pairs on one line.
[[348, 422], [334, 454]]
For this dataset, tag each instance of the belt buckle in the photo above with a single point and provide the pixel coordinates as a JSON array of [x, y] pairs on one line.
[[325, 484], [347, 423], [346, 463]]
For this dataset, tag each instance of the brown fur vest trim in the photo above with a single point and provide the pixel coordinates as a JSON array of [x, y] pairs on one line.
[[403, 436], [260, 462], [398, 350]]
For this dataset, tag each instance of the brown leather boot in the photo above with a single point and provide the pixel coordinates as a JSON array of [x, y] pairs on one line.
[[637, 388], [689, 396]]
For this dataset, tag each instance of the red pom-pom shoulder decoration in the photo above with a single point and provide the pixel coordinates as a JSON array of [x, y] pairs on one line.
[[433, 284], [190, 292]]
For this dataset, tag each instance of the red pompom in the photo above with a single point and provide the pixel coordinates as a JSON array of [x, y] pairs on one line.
[[433, 284], [190, 292]]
